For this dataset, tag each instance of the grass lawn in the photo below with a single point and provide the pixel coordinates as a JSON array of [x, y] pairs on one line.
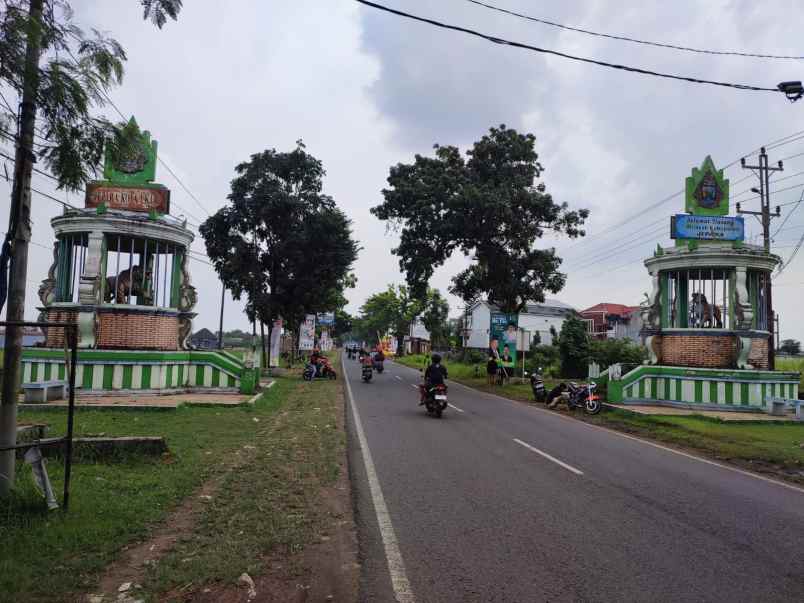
[[474, 375], [776, 444], [292, 437], [792, 364]]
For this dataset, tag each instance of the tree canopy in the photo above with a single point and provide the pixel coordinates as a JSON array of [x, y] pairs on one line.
[[395, 310], [487, 206], [790, 346], [280, 240], [76, 72], [573, 347]]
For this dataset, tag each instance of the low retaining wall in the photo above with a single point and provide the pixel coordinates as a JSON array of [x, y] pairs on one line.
[[108, 370], [727, 389]]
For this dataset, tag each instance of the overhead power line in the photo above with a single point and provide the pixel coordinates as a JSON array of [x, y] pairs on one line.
[[504, 42], [598, 34]]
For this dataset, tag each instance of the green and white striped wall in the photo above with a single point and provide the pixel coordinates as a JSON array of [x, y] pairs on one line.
[[107, 370], [727, 389]]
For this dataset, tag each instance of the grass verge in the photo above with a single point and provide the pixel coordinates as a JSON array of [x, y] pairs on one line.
[[54, 556]]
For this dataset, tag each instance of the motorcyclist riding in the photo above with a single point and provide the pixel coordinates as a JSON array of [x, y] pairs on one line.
[[434, 374]]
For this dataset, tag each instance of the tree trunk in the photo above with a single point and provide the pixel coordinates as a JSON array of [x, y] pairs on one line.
[[20, 229], [262, 337], [270, 339], [400, 345]]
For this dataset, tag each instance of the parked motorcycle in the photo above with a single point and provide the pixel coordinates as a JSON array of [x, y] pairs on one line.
[[435, 399], [324, 371], [537, 386], [583, 396]]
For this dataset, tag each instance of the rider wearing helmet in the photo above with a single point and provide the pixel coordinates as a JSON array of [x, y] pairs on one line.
[[435, 374]]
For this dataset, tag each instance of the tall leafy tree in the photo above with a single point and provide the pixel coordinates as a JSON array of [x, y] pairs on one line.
[[281, 241], [573, 348], [74, 76], [435, 317], [391, 311], [488, 206]]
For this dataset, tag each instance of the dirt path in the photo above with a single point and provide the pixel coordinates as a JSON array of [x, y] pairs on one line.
[[325, 570]]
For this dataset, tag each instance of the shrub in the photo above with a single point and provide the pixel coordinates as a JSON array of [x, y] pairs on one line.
[[612, 351]]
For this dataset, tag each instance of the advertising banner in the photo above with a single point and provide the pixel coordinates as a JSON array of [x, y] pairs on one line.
[[276, 340], [502, 339], [326, 319], [325, 342], [307, 334]]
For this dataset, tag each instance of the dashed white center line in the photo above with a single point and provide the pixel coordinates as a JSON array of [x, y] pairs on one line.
[[414, 386], [550, 458], [455, 407], [398, 377]]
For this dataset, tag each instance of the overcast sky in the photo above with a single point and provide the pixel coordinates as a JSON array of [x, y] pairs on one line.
[[366, 90]]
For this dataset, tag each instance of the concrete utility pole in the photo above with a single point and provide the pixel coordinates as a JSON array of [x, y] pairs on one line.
[[762, 171], [19, 226], [220, 328]]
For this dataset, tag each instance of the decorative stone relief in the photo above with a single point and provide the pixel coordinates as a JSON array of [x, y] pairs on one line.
[[651, 308], [743, 351], [185, 330], [47, 290], [743, 311], [651, 343], [187, 293]]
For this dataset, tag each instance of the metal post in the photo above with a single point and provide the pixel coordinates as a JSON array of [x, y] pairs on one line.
[[68, 453], [130, 272], [117, 273], [144, 269]]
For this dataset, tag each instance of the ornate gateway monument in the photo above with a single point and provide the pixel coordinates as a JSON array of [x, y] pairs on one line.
[[706, 320], [120, 270]]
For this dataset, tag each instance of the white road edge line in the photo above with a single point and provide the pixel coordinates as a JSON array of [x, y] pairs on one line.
[[455, 407], [549, 458], [396, 567], [636, 439]]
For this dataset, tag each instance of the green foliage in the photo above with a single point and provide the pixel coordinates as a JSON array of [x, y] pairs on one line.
[[435, 317], [544, 359], [280, 240], [790, 346], [159, 10], [612, 351], [487, 206], [573, 345], [71, 80], [392, 311]]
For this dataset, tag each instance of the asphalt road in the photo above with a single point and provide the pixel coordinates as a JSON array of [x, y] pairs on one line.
[[500, 501]]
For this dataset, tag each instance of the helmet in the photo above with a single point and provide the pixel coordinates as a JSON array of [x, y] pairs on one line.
[[436, 358]]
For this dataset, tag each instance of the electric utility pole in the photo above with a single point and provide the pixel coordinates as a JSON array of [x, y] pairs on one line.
[[220, 328], [763, 171], [19, 227]]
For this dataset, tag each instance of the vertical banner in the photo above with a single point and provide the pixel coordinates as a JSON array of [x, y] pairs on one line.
[[307, 334], [325, 342], [276, 340], [502, 339]]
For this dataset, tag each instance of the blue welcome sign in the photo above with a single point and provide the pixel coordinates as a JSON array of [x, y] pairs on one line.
[[707, 228]]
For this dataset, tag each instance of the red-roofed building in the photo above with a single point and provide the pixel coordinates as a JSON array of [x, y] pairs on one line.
[[613, 321]]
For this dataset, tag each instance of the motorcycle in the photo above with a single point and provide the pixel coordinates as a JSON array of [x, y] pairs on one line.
[[324, 371], [435, 399], [583, 396], [537, 386], [378, 366], [367, 371]]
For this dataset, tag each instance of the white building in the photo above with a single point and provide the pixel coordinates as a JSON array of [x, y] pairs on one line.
[[536, 318]]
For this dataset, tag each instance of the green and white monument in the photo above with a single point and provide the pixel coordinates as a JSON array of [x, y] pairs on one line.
[[120, 270], [706, 322]]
